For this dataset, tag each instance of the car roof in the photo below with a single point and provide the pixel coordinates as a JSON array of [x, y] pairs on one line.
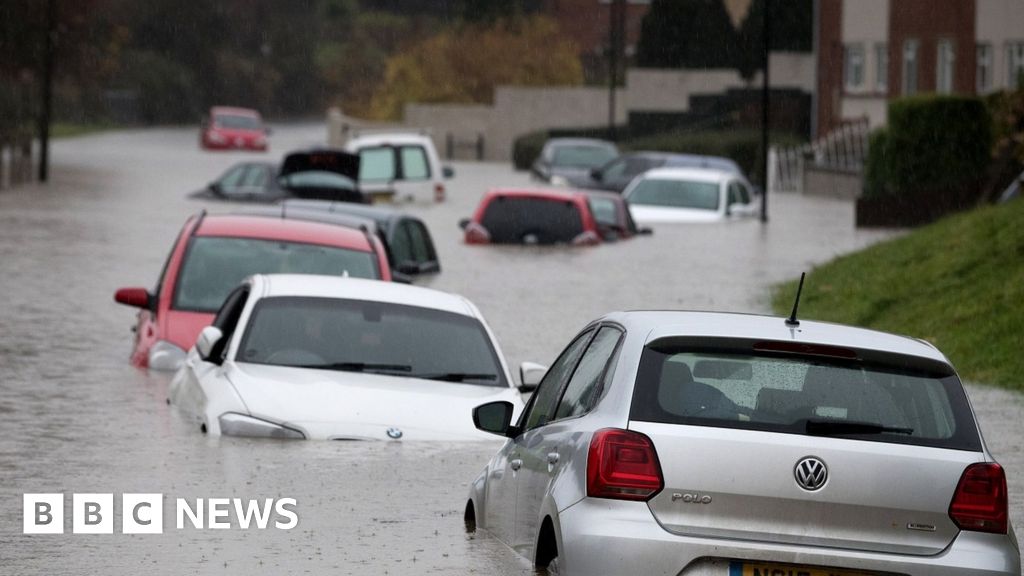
[[380, 138], [362, 289], [299, 212], [579, 142], [658, 324], [686, 159], [697, 174], [289, 230], [543, 193], [378, 214], [234, 110]]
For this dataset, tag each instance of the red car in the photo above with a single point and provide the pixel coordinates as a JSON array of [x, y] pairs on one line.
[[226, 128], [543, 216], [213, 254]]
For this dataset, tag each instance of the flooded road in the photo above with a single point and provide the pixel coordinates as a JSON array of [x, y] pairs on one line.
[[75, 417]]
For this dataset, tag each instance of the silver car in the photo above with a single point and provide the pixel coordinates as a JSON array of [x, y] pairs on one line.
[[728, 444]]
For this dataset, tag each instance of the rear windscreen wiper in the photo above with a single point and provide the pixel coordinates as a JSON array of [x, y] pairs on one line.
[[455, 376], [840, 427]]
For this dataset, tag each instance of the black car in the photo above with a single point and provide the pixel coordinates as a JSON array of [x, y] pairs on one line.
[[406, 238], [617, 174], [310, 174]]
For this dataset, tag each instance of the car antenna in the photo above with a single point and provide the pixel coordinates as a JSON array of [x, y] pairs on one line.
[[792, 321]]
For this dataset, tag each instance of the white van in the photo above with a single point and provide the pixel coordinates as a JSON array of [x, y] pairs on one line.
[[400, 166]]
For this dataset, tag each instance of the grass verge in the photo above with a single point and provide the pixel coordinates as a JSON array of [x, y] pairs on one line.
[[958, 283]]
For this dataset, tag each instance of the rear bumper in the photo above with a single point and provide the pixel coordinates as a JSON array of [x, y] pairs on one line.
[[615, 538]]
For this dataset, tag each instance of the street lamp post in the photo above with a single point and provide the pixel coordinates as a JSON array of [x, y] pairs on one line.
[[616, 32], [44, 116], [766, 33]]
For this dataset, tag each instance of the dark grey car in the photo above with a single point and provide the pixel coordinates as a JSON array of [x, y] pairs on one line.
[[563, 160], [617, 174]]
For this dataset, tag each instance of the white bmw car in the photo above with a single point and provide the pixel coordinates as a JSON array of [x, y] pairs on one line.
[[302, 356], [678, 195]]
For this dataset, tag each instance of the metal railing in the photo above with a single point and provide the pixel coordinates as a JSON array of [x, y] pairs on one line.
[[844, 149]]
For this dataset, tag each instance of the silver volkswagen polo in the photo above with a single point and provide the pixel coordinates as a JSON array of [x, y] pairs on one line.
[[698, 443]]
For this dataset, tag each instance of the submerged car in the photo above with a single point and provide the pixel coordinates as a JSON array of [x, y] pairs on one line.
[[399, 166], [667, 195], [307, 174], [548, 216], [213, 253], [565, 160], [618, 173], [231, 128], [292, 356], [711, 443]]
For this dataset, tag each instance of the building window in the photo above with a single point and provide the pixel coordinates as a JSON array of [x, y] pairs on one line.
[[944, 61], [983, 74], [853, 67], [1015, 59], [910, 67], [882, 68]]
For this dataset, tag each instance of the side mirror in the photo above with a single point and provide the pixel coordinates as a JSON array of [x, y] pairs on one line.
[[208, 338], [645, 231], [493, 417], [137, 297], [596, 174], [464, 223], [267, 131], [530, 375], [447, 172]]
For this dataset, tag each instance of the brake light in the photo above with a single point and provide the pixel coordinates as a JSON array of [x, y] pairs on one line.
[[439, 192], [623, 465], [980, 502]]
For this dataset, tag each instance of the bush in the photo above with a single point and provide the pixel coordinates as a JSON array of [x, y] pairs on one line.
[[526, 149], [876, 177], [936, 145]]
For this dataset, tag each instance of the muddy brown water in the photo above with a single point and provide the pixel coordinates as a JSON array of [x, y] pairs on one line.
[[76, 418]]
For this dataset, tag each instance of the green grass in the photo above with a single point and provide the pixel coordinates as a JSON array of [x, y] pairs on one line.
[[66, 130], [958, 283]]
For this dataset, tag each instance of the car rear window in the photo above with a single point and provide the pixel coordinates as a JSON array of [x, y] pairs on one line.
[[803, 395], [214, 265], [675, 194], [533, 220]]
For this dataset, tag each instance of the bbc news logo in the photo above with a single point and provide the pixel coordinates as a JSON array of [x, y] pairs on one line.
[[144, 513]]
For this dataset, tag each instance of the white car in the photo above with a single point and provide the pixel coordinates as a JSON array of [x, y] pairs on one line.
[[666, 195], [399, 166], [303, 356]]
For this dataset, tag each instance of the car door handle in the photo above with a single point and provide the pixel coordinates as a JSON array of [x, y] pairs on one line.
[[515, 464], [552, 458]]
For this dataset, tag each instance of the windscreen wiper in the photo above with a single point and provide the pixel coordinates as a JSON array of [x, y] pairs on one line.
[[456, 376], [840, 427], [361, 367]]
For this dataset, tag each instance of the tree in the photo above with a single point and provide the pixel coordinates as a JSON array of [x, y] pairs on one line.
[[464, 64], [687, 34], [792, 23]]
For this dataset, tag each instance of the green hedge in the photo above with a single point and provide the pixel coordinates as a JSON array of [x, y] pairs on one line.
[[876, 176], [935, 145]]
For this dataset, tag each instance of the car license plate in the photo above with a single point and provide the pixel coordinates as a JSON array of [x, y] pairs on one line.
[[761, 569]]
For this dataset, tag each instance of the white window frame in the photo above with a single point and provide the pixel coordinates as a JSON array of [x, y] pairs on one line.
[[983, 71], [882, 68], [1014, 64], [945, 66], [853, 67], [909, 68]]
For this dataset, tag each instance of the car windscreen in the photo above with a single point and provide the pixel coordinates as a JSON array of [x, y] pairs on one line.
[[675, 194], [214, 265], [893, 403], [582, 156], [238, 122], [514, 220], [371, 337]]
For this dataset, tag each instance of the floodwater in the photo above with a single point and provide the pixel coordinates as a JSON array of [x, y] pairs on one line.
[[76, 418]]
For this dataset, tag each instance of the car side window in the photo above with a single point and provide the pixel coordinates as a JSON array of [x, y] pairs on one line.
[[227, 319], [401, 245], [615, 170], [421, 248], [414, 163], [377, 163], [738, 193], [256, 177], [585, 386], [233, 178], [550, 388]]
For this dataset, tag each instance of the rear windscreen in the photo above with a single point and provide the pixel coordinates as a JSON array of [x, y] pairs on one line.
[[531, 220], [811, 396]]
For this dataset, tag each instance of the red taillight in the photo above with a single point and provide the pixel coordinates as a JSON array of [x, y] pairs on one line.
[[622, 465], [477, 234], [980, 503], [438, 192]]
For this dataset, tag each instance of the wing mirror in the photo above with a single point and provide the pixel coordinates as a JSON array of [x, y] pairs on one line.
[[464, 223], [644, 231], [448, 172], [493, 417], [530, 375], [137, 297], [596, 174], [208, 338]]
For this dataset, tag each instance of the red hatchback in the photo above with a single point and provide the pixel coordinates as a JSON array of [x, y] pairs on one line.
[[213, 254], [227, 128], [540, 216]]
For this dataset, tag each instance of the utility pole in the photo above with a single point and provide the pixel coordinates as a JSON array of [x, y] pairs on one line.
[[616, 34], [766, 33], [45, 114]]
